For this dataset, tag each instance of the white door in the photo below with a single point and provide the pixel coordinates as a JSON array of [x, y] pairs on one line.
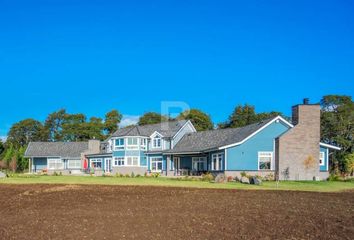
[[107, 165]]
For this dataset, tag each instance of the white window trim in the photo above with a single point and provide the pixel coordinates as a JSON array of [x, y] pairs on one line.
[[200, 159], [217, 167], [157, 137], [96, 160], [143, 143], [56, 160], [75, 167], [271, 160], [119, 147], [322, 159], [156, 161], [118, 159], [126, 161], [132, 146]]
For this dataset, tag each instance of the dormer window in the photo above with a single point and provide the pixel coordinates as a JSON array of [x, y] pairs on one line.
[[156, 142]]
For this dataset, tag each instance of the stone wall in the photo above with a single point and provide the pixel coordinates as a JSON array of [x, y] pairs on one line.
[[297, 151]]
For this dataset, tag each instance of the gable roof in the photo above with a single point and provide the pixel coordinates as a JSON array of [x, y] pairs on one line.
[[56, 149], [219, 138], [166, 129]]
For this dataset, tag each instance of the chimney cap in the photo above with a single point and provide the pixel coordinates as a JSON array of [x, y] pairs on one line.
[[306, 101]]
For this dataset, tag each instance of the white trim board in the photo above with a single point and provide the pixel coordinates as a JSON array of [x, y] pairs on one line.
[[244, 140], [330, 146]]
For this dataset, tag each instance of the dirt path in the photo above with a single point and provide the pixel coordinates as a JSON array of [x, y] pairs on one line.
[[117, 212]]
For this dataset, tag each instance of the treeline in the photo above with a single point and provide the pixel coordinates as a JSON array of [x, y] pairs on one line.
[[337, 118]]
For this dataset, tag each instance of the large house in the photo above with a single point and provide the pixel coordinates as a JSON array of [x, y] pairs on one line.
[[273, 147]]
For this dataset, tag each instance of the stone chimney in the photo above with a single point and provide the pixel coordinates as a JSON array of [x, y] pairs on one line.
[[297, 151], [94, 146]]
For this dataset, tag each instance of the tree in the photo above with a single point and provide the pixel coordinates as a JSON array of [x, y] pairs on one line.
[[151, 118], [94, 129], [112, 119], [2, 148], [73, 127], [337, 126], [200, 120], [53, 125], [25, 131], [245, 115], [349, 163]]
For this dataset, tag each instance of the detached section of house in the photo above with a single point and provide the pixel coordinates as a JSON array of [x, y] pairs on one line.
[[273, 147], [65, 157]]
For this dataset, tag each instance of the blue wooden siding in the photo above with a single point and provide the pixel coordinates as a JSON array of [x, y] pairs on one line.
[[118, 154], [324, 167], [245, 156], [39, 164]]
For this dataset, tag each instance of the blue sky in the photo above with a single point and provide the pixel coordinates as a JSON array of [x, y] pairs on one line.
[[94, 56]]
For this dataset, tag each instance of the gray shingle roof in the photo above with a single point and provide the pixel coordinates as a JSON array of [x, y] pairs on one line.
[[56, 149], [213, 139], [167, 129]]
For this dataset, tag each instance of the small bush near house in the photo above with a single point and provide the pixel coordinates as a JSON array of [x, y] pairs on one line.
[[268, 177], [145, 174], [138, 175], [155, 175], [243, 174], [333, 177], [220, 178], [132, 175], [230, 179], [57, 174], [207, 177], [127, 175], [237, 179]]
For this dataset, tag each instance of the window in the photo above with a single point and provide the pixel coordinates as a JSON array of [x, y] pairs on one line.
[[322, 158], [55, 163], [96, 163], [156, 142], [119, 144], [143, 143], [74, 163], [132, 161], [199, 163], [265, 160], [132, 143], [217, 161], [156, 164], [118, 161]]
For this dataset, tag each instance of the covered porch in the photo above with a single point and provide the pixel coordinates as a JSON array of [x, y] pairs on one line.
[[195, 164]]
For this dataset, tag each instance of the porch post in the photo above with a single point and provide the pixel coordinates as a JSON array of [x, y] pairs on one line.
[[29, 166]]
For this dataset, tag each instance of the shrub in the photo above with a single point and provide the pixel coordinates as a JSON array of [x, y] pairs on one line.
[[127, 175], [145, 174], [155, 175], [207, 177], [138, 175], [230, 179], [132, 175], [220, 178], [333, 177], [243, 174]]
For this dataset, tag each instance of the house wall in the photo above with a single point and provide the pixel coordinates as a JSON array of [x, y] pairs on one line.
[[300, 146], [244, 157]]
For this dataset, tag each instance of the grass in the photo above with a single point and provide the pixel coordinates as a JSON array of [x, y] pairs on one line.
[[329, 186]]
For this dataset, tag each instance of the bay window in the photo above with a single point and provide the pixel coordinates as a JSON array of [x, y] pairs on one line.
[[119, 144], [132, 143]]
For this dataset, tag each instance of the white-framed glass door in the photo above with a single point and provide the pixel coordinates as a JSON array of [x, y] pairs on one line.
[[107, 164], [199, 163]]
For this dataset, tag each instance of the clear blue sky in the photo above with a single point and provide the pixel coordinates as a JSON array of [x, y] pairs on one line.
[[91, 57]]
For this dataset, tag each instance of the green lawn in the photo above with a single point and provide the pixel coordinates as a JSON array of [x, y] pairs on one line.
[[161, 181]]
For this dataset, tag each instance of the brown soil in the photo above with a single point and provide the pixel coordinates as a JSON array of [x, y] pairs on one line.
[[118, 212]]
